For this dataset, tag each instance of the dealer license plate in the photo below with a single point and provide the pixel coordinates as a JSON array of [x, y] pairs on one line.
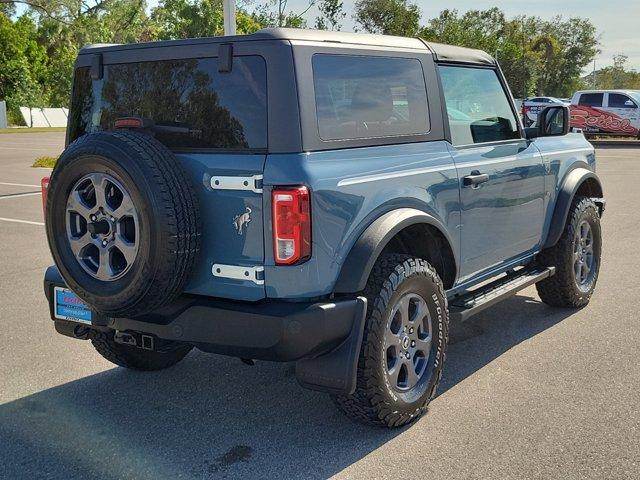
[[68, 306]]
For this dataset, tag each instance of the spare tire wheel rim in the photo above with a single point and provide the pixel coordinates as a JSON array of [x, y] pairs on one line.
[[102, 226]]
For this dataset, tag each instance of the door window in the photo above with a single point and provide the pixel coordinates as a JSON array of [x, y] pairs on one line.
[[478, 108], [617, 100], [591, 99]]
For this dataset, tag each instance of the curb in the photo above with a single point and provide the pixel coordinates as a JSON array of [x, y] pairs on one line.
[[615, 143]]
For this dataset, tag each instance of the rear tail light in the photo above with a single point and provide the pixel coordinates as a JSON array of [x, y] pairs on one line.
[[291, 225], [44, 187]]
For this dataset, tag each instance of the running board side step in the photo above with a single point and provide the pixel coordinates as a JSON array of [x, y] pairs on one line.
[[465, 306]]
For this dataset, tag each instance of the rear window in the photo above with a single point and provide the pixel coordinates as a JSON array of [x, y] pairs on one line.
[[186, 103], [366, 97], [591, 99]]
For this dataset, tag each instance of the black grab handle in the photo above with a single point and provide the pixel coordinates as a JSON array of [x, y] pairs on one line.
[[476, 178]]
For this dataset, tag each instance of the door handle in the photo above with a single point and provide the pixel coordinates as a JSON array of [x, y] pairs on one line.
[[475, 179]]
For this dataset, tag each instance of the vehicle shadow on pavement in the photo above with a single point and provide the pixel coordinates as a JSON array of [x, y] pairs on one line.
[[212, 416], [477, 342]]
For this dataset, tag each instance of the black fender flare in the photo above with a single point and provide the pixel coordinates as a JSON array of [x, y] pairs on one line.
[[572, 182], [364, 253]]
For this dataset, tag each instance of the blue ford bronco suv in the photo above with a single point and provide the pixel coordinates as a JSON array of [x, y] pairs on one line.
[[328, 199]]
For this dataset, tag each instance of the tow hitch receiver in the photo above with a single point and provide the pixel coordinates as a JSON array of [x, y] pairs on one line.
[[134, 339]]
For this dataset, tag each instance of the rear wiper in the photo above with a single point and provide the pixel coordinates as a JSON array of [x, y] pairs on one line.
[[175, 128]]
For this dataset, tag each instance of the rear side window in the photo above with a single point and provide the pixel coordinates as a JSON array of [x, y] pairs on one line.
[[591, 99], [367, 97], [617, 100], [478, 108], [185, 103]]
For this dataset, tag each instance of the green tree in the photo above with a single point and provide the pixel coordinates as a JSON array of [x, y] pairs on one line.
[[388, 17], [619, 71], [275, 13], [331, 14], [22, 65], [491, 31], [616, 76], [7, 8], [196, 18], [484, 29], [64, 26], [543, 57], [576, 45]]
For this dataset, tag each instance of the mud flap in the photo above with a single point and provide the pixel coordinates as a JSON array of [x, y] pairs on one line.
[[335, 372]]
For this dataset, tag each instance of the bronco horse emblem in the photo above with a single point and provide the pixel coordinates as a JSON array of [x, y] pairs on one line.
[[241, 221]]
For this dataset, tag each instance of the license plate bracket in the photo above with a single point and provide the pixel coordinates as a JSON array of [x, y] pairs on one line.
[[68, 306]]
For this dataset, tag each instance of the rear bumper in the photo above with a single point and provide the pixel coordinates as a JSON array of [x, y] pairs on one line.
[[310, 333]]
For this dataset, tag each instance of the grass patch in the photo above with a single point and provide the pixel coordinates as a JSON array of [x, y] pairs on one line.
[[32, 130], [46, 162]]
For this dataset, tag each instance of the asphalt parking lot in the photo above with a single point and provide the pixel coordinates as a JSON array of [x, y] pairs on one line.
[[528, 391]]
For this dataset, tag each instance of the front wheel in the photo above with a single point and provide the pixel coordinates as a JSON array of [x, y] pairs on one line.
[[576, 258], [404, 344]]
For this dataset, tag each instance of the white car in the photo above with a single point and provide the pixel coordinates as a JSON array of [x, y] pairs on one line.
[[533, 105], [607, 112]]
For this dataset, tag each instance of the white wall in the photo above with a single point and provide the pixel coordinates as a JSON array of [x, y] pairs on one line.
[[44, 117], [3, 114]]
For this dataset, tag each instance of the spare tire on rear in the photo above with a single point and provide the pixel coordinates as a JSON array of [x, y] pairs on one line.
[[122, 222]]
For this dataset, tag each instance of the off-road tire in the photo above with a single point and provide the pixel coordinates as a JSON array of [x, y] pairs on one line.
[[169, 214], [374, 400], [136, 358], [561, 289]]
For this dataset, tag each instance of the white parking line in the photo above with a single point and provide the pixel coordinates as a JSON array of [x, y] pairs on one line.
[[15, 220], [18, 195], [19, 185]]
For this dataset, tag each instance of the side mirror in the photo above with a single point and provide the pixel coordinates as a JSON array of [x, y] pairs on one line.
[[552, 121]]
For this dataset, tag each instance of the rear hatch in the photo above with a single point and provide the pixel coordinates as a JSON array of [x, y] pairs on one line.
[[215, 121]]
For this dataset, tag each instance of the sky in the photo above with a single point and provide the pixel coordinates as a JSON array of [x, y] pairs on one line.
[[617, 22]]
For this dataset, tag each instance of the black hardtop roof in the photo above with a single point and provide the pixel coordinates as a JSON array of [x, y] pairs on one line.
[[441, 52]]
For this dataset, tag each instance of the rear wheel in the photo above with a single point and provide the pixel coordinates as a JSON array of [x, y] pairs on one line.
[[137, 358], [404, 344], [576, 258]]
